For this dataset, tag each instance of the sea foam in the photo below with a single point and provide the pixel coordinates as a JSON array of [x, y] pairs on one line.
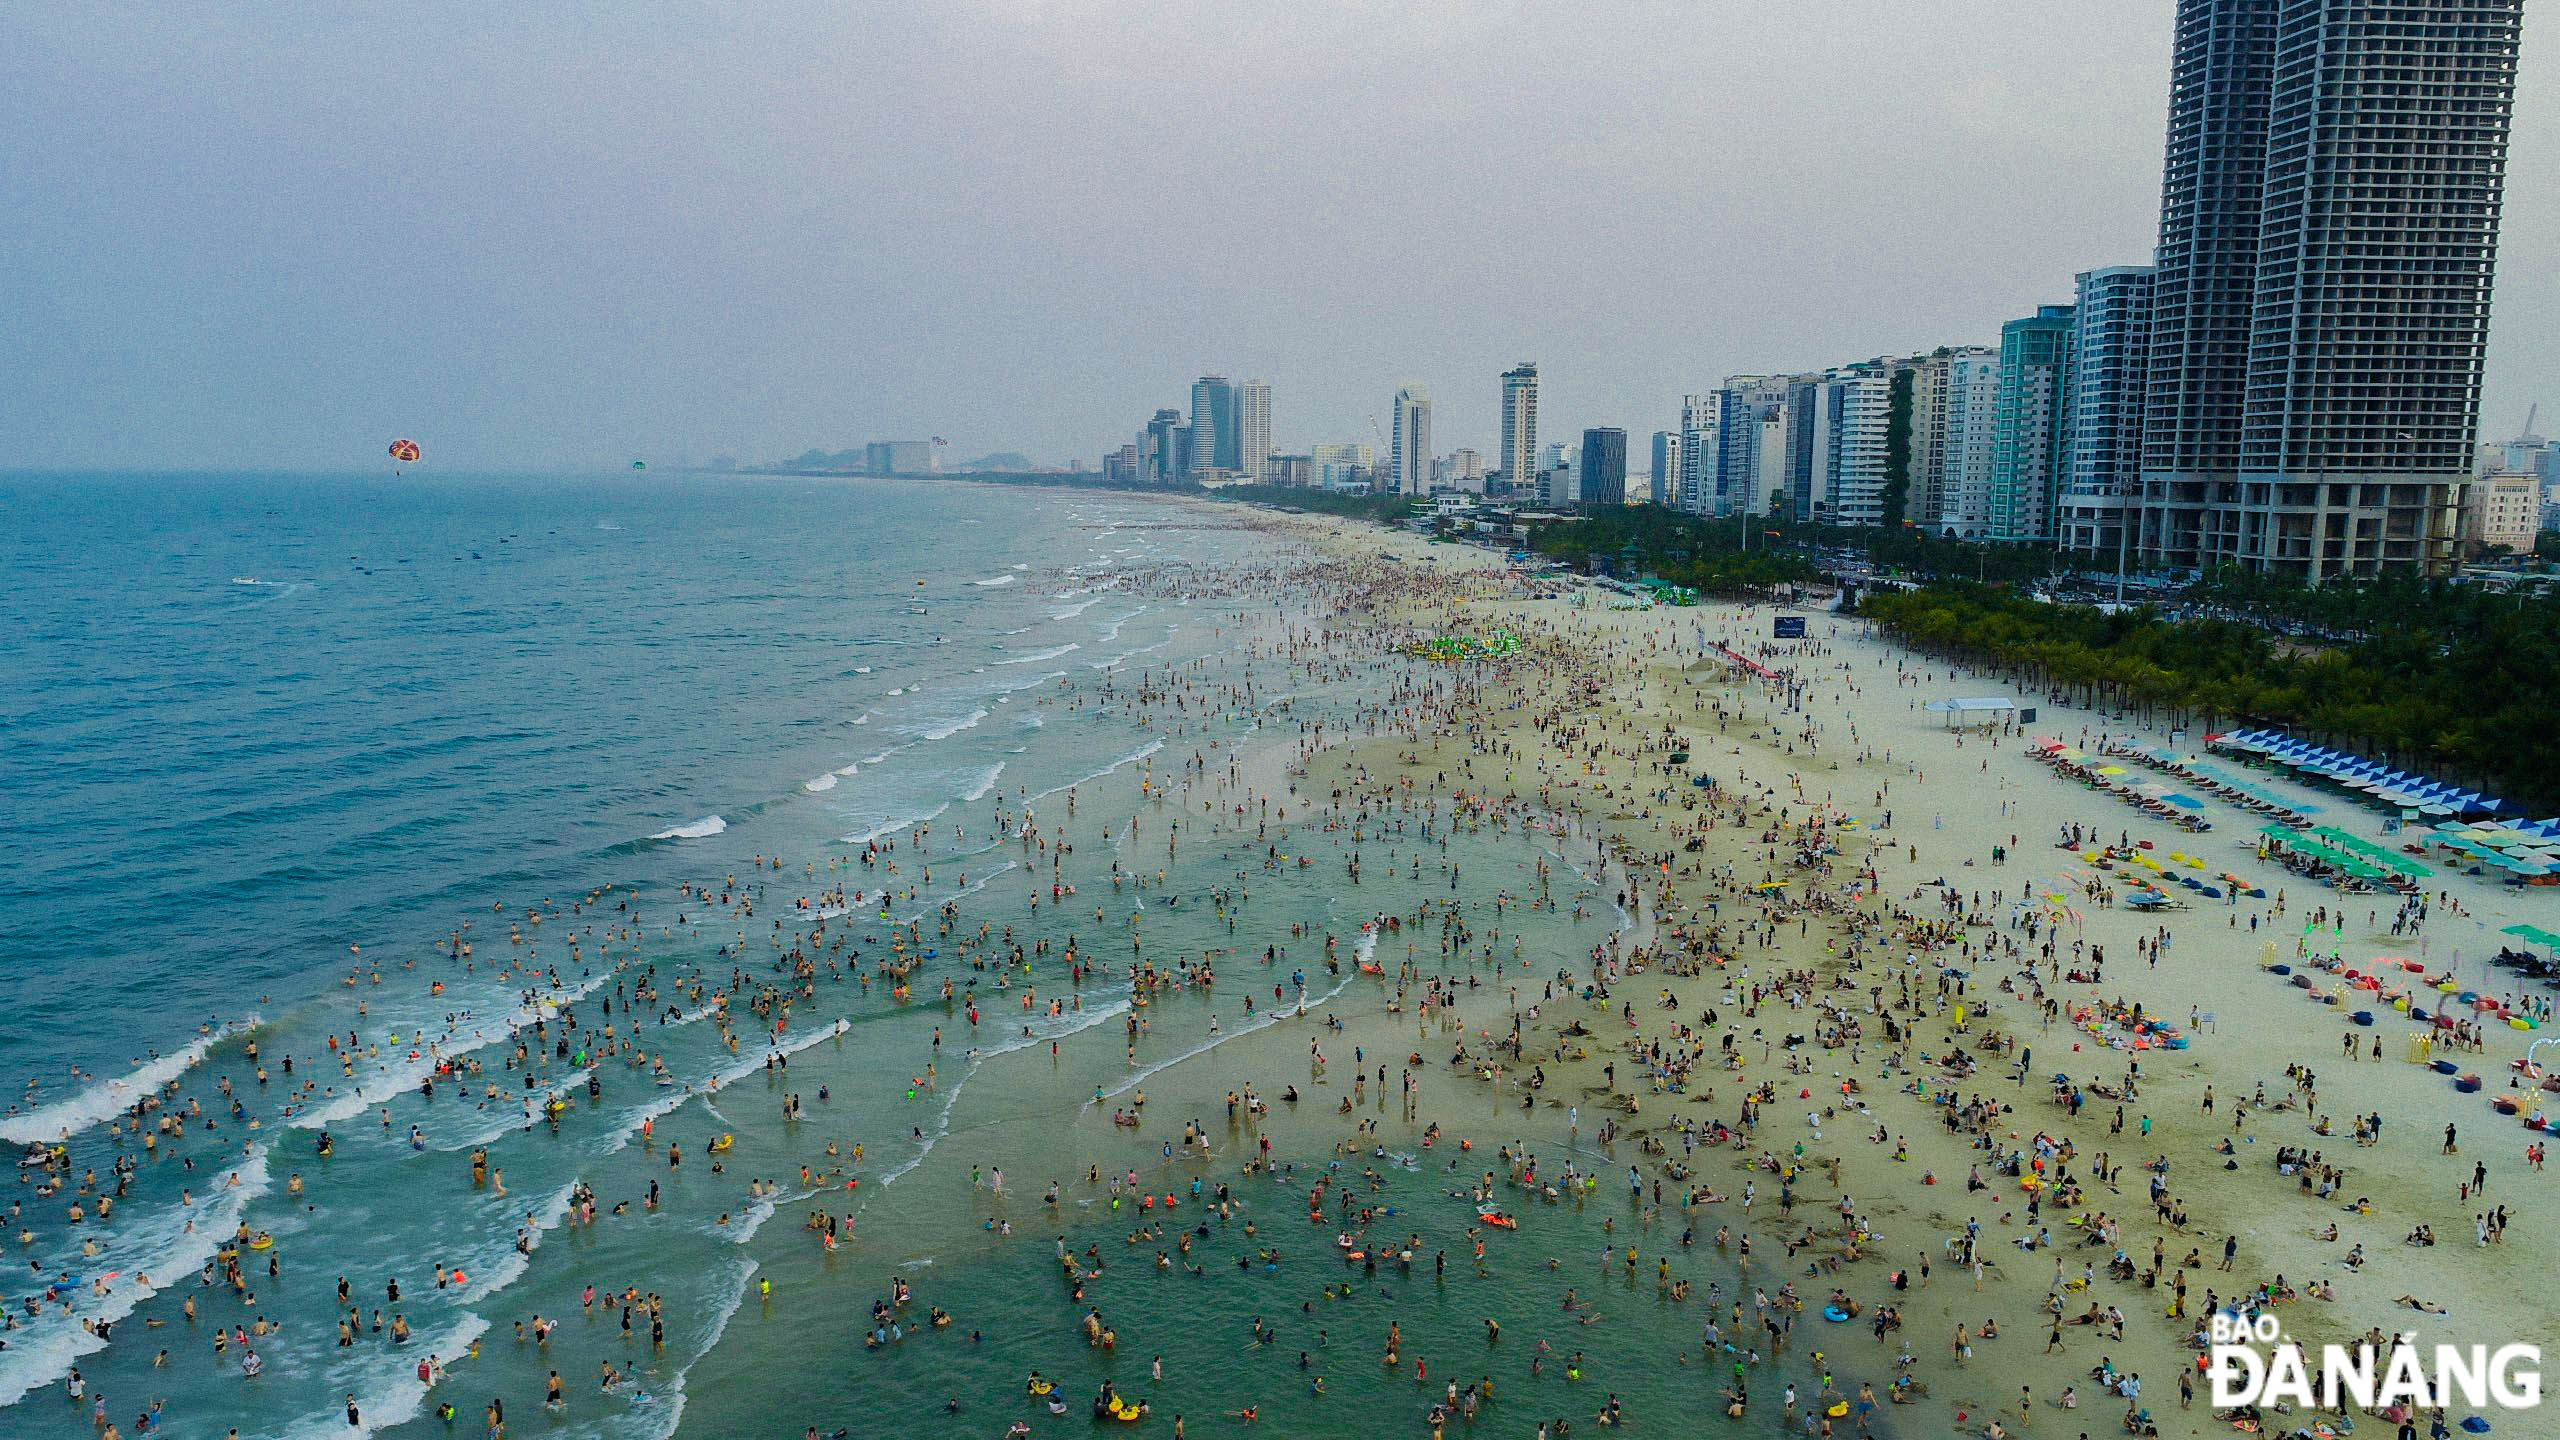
[[74, 1113]]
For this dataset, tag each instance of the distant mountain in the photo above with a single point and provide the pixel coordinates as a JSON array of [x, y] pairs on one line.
[[822, 460], [1003, 462]]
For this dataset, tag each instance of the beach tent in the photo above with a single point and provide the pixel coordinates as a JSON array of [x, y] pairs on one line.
[[1976, 710]]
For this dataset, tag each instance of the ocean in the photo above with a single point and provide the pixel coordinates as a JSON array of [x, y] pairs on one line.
[[463, 801], [256, 721]]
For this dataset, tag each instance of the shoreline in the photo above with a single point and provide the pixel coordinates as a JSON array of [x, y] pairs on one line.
[[2210, 963], [1525, 1014]]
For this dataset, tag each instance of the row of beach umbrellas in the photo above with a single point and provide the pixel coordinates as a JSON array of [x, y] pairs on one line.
[[2519, 847], [2396, 789]]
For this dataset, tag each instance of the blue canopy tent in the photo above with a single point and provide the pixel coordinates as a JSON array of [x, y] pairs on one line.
[[2384, 785]]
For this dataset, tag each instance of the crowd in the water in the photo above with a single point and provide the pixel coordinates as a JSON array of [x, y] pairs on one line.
[[1742, 1096]]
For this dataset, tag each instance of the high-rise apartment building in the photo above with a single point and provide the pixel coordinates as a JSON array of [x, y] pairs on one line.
[[1214, 441], [1857, 406], [1600, 471], [1952, 399], [898, 457], [2027, 424], [1520, 424], [1768, 493], [2102, 445], [1835, 444], [1737, 472], [1161, 458], [1693, 488], [1667, 455], [2330, 198], [1808, 439], [2501, 510], [1253, 431], [1340, 464], [1409, 445]]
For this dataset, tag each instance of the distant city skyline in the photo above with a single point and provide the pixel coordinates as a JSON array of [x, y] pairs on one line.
[[219, 259]]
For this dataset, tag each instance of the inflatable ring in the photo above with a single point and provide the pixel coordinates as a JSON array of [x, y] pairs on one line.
[[1834, 1314]]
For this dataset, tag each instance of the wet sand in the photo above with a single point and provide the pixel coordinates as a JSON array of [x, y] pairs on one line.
[[1924, 806]]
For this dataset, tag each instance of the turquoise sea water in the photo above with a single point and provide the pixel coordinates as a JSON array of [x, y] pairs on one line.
[[257, 722]]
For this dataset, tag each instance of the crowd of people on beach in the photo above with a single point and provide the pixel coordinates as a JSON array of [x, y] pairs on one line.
[[1799, 1078]]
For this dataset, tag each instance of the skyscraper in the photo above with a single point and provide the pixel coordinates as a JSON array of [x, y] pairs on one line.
[[1520, 424], [1409, 451], [2102, 445], [1740, 470], [1835, 444], [1857, 405], [1214, 441], [1666, 466], [1601, 470], [1808, 436], [1253, 431], [2329, 211], [2027, 424], [1693, 487], [1952, 400], [1161, 457]]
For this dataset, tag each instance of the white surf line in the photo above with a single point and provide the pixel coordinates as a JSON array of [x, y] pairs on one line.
[[1080, 1021], [111, 1097], [1255, 1026]]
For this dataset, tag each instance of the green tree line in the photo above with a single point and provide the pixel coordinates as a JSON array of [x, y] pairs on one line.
[[2457, 685], [1385, 509], [1705, 555]]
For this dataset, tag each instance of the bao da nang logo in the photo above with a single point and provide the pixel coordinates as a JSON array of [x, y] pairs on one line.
[[2250, 1361]]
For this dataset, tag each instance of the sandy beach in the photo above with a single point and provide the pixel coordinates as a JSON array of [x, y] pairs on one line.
[[1841, 970], [1431, 999]]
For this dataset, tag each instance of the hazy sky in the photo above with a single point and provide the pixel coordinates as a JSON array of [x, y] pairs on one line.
[[573, 233]]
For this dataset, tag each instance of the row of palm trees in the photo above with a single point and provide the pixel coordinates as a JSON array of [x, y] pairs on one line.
[[2470, 693]]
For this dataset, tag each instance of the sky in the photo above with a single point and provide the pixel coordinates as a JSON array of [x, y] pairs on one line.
[[565, 235]]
